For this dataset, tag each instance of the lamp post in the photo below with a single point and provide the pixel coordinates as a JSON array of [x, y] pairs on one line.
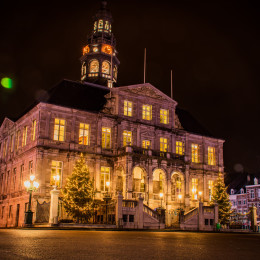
[[180, 197], [30, 185], [200, 193], [161, 198]]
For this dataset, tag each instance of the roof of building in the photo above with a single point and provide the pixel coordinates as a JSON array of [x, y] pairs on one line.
[[238, 180], [91, 97]]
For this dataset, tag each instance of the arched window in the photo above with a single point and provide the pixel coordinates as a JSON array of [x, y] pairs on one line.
[[106, 67], [100, 25], [115, 73], [158, 181], [83, 69], [176, 186], [106, 26], [139, 180], [94, 66]]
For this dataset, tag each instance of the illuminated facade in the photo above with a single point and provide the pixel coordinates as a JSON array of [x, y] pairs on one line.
[[133, 136]]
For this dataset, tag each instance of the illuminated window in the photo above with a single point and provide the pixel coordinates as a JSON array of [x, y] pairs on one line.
[[17, 140], [110, 28], [128, 108], [164, 116], [147, 112], [93, 66], [146, 144], [106, 137], [5, 148], [12, 143], [84, 134], [56, 173], [195, 153], [194, 188], [139, 180], [179, 148], [210, 189], [106, 67], [127, 138], [106, 26], [211, 156], [24, 141], [163, 144], [100, 25], [33, 129], [104, 178], [95, 26], [59, 130]]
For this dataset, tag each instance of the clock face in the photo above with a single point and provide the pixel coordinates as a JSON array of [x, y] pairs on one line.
[[107, 49], [105, 67], [95, 49], [85, 49]]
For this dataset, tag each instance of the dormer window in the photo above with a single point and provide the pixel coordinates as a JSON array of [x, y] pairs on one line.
[[100, 25]]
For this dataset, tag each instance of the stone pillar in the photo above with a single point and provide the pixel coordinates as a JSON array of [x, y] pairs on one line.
[[97, 179], [187, 187], [140, 214], [200, 216], [204, 193], [53, 220], [119, 212], [253, 218]]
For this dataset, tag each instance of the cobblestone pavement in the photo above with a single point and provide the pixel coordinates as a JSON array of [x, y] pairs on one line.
[[81, 244]]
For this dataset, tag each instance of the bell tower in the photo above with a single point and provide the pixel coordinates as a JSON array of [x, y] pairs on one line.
[[99, 63]]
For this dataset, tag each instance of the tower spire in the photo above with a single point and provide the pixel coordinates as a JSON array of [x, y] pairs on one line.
[[99, 61]]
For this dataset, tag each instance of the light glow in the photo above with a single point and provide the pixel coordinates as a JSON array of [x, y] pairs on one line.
[[32, 177], [161, 195], [27, 184], [6, 82], [36, 184]]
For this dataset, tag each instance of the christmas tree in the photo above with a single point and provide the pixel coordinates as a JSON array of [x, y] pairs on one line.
[[221, 197], [78, 192]]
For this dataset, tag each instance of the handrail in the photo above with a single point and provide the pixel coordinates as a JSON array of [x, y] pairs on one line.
[[151, 212]]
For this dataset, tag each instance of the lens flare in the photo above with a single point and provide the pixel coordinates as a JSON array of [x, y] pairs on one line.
[[6, 82]]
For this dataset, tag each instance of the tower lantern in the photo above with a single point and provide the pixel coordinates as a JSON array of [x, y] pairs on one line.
[[99, 63]]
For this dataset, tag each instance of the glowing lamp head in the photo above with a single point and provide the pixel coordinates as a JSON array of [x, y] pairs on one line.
[[36, 184], [6, 82], [108, 183], [200, 193], [179, 196], [161, 195], [32, 177], [27, 184]]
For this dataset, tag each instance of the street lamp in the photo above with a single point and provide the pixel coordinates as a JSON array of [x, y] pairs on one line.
[[200, 193], [180, 197], [161, 198], [30, 185]]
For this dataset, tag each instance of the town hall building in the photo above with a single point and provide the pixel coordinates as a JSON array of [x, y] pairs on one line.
[[133, 137]]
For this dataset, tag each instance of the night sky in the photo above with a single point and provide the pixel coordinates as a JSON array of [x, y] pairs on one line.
[[211, 46]]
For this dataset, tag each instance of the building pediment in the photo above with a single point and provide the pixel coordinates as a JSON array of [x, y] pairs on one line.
[[6, 125], [147, 90]]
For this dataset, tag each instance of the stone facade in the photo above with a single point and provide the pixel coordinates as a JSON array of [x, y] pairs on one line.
[[128, 164]]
